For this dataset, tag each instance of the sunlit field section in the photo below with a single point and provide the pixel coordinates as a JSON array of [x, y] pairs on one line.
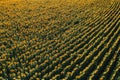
[[59, 40]]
